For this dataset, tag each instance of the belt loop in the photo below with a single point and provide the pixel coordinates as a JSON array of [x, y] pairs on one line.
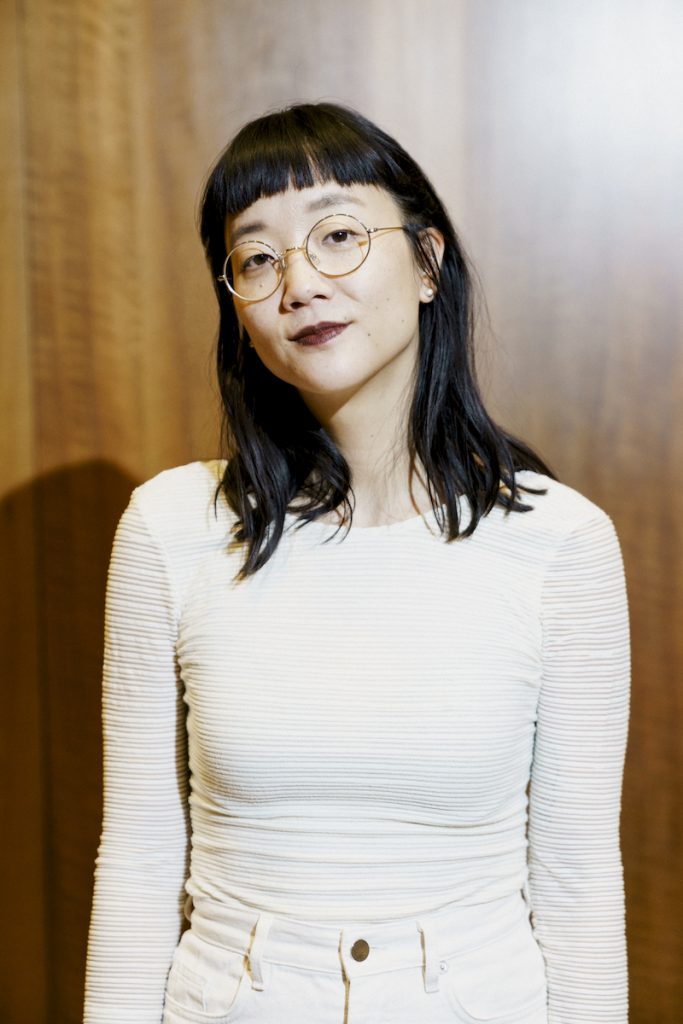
[[255, 954], [431, 967]]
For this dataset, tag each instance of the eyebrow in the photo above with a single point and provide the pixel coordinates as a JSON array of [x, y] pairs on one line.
[[321, 203]]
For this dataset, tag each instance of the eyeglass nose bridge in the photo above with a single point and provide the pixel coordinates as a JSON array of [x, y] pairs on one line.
[[296, 248]]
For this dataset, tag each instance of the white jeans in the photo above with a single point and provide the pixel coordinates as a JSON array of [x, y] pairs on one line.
[[458, 965]]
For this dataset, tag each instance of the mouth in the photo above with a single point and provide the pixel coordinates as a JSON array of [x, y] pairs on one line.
[[318, 334]]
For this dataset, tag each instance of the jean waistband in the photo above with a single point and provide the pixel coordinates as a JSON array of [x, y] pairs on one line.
[[362, 948]]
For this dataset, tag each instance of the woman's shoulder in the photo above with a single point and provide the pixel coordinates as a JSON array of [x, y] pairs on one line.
[[571, 538], [180, 501], [179, 482], [561, 509], [171, 527]]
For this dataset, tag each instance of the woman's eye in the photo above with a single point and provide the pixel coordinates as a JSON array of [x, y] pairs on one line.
[[255, 262], [341, 236]]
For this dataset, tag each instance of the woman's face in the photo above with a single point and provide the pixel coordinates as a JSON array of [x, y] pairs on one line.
[[376, 306]]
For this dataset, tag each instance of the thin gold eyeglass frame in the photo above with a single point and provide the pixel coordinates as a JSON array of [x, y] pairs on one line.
[[280, 256]]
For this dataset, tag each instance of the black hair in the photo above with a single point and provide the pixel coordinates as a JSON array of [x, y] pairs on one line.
[[275, 448]]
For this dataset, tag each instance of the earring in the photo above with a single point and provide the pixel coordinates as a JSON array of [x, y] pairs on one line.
[[429, 292]]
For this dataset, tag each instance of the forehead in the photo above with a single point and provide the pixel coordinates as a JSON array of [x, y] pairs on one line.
[[296, 210]]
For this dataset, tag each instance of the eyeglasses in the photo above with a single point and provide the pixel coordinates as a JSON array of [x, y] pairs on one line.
[[335, 246]]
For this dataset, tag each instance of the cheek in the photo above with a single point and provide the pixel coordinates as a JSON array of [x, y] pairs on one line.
[[399, 289], [256, 323], [275, 354], [396, 303]]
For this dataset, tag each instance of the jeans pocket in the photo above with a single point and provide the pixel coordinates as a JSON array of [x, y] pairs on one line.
[[207, 984], [500, 982]]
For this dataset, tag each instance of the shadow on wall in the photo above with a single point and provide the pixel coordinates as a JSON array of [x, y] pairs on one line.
[[55, 536]]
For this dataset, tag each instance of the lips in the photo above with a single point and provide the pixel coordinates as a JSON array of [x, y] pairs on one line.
[[317, 334]]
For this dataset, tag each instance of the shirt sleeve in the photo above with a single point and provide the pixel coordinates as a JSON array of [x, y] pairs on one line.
[[141, 865], [575, 886]]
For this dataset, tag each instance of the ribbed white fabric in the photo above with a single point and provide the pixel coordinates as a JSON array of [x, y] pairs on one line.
[[364, 717]]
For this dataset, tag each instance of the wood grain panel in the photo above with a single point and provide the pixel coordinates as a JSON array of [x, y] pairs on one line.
[[574, 173], [16, 444], [547, 127], [23, 849], [117, 399]]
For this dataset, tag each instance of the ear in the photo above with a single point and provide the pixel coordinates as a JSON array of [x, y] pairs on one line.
[[433, 240]]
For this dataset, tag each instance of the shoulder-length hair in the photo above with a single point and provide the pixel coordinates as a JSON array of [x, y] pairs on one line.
[[275, 448]]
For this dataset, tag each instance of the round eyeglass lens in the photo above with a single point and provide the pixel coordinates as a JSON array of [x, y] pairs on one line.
[[252, 270], [337, 245]]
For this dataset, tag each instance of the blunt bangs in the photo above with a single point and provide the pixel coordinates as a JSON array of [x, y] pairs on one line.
[[297, 159], [297, 147]]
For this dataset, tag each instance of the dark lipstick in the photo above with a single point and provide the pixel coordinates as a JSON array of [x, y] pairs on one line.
[[318, 334]]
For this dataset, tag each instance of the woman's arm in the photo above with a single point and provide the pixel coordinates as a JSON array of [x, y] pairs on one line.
[[141, 865], [575, 869]]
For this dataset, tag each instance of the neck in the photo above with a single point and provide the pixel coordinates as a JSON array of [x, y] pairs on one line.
[[372, 437]]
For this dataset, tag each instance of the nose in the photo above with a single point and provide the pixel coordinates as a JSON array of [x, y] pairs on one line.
[[301, 282]]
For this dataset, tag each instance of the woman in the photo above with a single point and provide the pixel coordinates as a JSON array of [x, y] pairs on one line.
[[390, 647]]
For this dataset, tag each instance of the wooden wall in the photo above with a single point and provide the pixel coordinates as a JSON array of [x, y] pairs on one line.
[[553, 131]]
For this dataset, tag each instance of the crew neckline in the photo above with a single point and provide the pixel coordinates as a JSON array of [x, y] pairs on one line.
[[427, 519]]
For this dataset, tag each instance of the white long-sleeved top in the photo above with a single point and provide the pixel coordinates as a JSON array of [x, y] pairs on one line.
[[376, 725]]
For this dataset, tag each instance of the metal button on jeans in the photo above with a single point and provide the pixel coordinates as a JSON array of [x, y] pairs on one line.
[[360, 950]]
